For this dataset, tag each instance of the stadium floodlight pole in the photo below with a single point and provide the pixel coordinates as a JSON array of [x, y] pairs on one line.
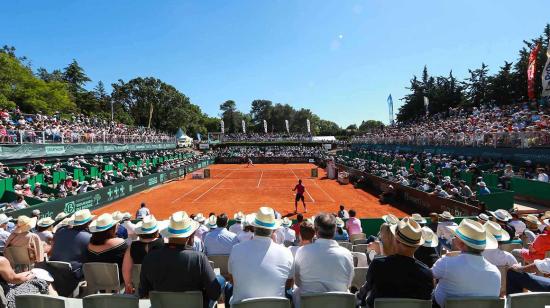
[[112, 112]]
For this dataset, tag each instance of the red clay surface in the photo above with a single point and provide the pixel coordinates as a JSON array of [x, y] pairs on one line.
[[234, 188]]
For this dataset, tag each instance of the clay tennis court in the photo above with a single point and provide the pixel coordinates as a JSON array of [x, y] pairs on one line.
[[232, 188]]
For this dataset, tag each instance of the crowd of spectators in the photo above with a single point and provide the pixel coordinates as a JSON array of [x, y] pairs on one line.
[[425, 172], [16, 127], [267, 256], [69, 186], [269, 137], [271, 151], [517, 125]]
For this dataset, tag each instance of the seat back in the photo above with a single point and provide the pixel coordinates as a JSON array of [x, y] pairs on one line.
[[220, 262], [531, 299], [190, 299], [359, 277], [101, 277], [475, 302], [359, 259], [402, 303], [110, 300], [39, 301], [511, 246], [347, 245], [360, 248], [19, 258], [136, 274], [263, 302], [358, 236], [328, 300]]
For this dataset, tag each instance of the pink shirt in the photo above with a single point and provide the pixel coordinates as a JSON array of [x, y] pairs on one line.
[[354, 226]]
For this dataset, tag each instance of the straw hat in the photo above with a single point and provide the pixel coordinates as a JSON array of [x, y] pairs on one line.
[[60, 216], [180, 226], [265, 218], [408, 232], [4, 219], [102, 223], [483, 217], [474, 235], [45, 222], [286, 222], [148, 225], [446, 215], [430, 238], [81, 217], [501, 215], [418, 218], [199, 218], [532, 219], [496, 230], [239, 217], [339, 222], [390, 219], [25, 224], [212, 222], [119, 216]]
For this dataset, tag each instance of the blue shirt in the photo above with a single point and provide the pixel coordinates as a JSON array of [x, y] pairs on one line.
[[71, 246], [484, 191], [341, 237], [219, 242]]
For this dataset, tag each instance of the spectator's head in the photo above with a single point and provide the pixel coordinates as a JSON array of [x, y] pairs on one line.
[[264, 222], [103, 229], [471, 237], [532, 222], [143, 205], [147, 228], [44, 224], [341, 207], [434, 217], [20, 198], [352, 213], [180, 229], [325, 226], [408, 236], [496, 230], [387, 241], [222, 220], [4, 220], [307, 232], [35, 213], [300, 218], [81, 220]]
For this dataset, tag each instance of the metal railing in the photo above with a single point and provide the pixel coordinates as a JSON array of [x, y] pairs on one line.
[[68, 137], [499, 139]]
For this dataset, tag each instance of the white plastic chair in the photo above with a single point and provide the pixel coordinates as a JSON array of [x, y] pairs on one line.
[[361, 259], [101, 277], [110, 300], [347, 245], [191, 299], [531, 299], [402, 303], [263, 302], [221, 262], [328, 300], [475, 302], [359, 277], [360, 248]]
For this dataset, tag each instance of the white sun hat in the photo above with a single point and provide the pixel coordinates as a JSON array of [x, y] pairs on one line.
[[418, 218], [474, 235], [286, 222], [501, 215], [45, 222], [446, 215], [102, 223], [81, 217], [4, 219], [25, 224], [496, 230], [148, 225], [199, 218], [430, 238], [239, 217], [483, 217], [212, 222], [390, 219], [180, 226], [265, 218], [339, 222], [408, 232]]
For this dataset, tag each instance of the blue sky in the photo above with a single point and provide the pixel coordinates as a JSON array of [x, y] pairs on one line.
[[339, 58]]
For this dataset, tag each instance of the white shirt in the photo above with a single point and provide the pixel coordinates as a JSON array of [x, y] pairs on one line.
[[201, 231], [543, 265], [519, 226], [443, 231], [543, 177], [323, 266], [260, 268], [236, 228], [498, 257], [244, 236], [142, 212], [289, 235], [219, 242], [465, 275]]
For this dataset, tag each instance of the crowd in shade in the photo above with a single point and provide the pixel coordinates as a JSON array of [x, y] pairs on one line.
[[298, 151], [16, 127], [269, 256], [440, 174], [269, 137], [516, 125], [110, 169]]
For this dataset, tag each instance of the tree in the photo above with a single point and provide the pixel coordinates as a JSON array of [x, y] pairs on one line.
[[75, 76], [261, 110], [230, 116], [370, 125], [477, 86]]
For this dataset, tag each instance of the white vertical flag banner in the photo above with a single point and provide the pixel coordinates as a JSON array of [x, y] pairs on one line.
[[265, 126], [244, 127], [222, 126], [546, 75], [308, 124], [426, 104], [286, 124]]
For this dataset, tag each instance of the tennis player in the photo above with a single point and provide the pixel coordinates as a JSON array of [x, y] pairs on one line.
[[249, 163], [300, 190]]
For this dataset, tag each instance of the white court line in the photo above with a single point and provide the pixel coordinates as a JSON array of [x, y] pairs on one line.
[[260, 180], [209, 189], [266, 170], [321, 188], [192, 190], [307, 192]]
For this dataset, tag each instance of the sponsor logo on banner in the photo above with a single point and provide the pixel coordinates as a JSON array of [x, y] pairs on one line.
[[152, 181], [54, 149], [81, 204]]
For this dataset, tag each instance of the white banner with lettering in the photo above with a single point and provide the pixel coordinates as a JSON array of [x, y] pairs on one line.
[[308, 126], [546, 75], [244, 127], [287, 128], [222, 127], [265, 126]]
